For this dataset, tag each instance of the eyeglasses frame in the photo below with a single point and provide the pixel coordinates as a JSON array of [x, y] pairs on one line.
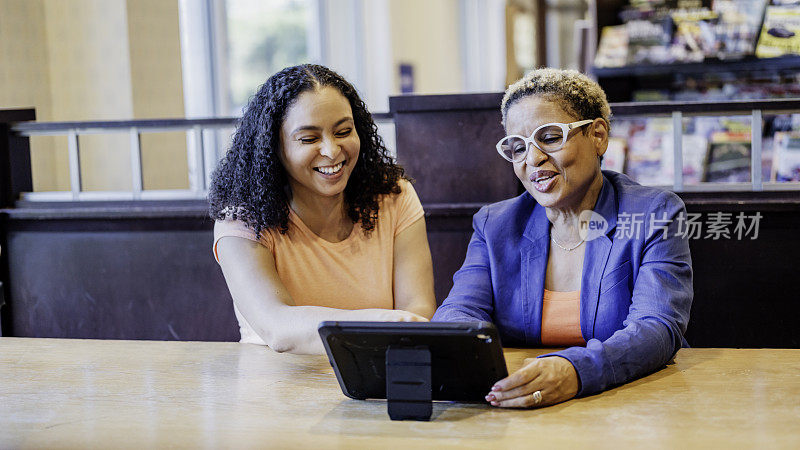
[[565, 128]]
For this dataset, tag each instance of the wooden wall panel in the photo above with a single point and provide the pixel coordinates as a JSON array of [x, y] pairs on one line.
[[143, 278]]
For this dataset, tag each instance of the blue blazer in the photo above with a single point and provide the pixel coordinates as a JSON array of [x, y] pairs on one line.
[[636, 288]]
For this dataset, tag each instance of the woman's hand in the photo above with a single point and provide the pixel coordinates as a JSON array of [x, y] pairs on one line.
[[398, 315], [553, 377]]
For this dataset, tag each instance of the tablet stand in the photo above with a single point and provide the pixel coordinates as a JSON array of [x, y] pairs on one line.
[[408, 383]]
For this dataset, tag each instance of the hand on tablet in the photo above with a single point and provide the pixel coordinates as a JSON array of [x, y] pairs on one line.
[[390, 315], [553, 377], [405, 316]]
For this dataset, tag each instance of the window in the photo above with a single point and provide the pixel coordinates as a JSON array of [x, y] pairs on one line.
[[263, 37]]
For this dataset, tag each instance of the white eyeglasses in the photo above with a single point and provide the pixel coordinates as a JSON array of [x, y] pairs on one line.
[[548, 138]]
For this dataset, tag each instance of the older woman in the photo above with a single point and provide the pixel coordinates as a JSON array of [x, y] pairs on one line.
[[585, 259], [314, 221]]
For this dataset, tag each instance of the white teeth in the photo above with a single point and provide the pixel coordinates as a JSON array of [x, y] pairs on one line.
[[330, 170]]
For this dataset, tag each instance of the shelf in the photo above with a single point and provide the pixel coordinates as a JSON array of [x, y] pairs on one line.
[[789, 62]]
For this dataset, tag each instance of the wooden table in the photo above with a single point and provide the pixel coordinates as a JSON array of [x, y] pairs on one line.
[[58, 393]]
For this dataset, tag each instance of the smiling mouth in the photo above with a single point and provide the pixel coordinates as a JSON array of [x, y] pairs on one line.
[[330, 170], [542, 176]]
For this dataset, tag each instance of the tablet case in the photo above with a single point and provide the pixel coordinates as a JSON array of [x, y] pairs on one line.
[[458, 361]]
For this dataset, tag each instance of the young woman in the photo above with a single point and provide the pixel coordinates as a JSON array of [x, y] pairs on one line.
[[313, 219]]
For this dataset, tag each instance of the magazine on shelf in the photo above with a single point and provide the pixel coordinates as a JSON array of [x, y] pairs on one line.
[[613, 48], [649, 150], [780, 34], [614, 157], [694, 147], [647, 141], [653, 10], [728, 157], [738, 27], [668, 31], [648, 42], [694, 37], [786, 156]]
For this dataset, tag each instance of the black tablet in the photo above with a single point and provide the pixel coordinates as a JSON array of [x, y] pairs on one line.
[[465, 359]]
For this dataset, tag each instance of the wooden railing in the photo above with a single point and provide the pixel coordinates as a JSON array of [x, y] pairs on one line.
[[679, 110], [202, 158]]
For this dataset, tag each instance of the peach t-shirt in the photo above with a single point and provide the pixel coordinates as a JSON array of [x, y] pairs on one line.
[[355, 273], [561, 318]]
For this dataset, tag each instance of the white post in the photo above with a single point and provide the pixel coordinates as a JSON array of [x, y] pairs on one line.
[[209, 157], [136, 163], [196, 163], [677, 149], [756, 133], [74, 163]]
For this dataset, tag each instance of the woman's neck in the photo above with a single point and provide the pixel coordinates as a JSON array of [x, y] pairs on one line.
[[566, 223], [325, 216]]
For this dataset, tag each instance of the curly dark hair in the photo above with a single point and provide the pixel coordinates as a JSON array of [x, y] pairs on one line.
[[250, 183]]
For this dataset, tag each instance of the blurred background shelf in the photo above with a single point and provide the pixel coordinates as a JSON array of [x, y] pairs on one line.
[[748, 64]]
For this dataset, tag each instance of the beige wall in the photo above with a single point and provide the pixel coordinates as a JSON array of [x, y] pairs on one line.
[[90, 79], [25, 79], [96, 60], [426, 34], [155, 57]]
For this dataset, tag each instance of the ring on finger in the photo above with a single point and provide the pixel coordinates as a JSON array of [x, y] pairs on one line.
[[537, 397]]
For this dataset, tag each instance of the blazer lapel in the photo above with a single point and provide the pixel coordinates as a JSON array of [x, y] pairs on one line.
[[596, 258], [533, 252]]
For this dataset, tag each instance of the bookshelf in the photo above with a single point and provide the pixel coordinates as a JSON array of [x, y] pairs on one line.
[[622, 81], [748, 64], [644, 55]]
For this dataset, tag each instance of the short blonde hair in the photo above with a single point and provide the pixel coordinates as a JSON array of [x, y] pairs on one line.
[[578, 94]]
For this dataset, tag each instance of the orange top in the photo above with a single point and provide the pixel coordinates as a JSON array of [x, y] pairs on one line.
[[355, 273], [561, 319]]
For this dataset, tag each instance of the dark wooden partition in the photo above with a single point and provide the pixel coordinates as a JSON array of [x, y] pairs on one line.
[[144, 270], [120, 270], [15, 156], [446, 143]]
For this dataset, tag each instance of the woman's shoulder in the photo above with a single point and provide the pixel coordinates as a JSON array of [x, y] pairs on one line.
[[405, 193], [400, 209], [406, 188], [404, 183], [509, 209], [634, 197], [506, 219], [231, 227], [240, 228]]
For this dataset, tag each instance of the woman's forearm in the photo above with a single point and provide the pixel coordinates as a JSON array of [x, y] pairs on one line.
[[422, 307], [293, 329], [641, 347]]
